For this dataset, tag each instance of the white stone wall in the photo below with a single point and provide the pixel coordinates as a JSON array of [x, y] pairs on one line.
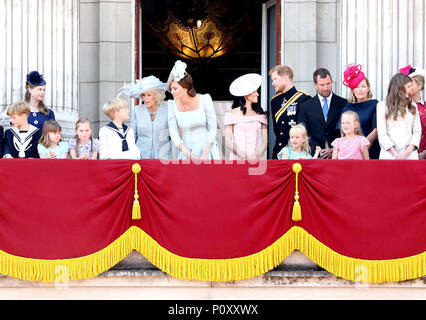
[[105, 54], [312, 40], [40, 35], [383, 36]]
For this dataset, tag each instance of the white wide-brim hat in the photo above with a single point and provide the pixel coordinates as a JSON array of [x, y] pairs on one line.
[[134, 90], [245, 84]]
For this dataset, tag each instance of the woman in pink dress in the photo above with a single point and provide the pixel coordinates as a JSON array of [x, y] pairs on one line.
[[246, 124]]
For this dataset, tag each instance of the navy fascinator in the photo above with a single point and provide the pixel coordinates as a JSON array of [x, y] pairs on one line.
[[35, 78]]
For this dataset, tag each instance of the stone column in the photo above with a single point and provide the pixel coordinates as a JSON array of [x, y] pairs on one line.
[[105, 55], [312, 40], [383, 36]]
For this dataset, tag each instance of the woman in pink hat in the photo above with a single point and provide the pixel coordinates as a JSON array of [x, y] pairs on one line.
[[361, 101], [246, 124]]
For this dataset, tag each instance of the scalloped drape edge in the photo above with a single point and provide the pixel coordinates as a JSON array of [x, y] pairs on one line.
[[372, 271]]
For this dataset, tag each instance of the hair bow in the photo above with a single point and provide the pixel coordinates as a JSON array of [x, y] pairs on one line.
[[179, 70], [35, 78]]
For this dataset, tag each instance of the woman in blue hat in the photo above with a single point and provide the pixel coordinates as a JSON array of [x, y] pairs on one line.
[[36, 90], [149, 120]]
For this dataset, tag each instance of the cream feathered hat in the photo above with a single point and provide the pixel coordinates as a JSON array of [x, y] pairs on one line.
[[178, 73]]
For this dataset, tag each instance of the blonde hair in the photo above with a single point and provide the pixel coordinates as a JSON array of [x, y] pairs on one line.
[[112, 106], [77, 139], [159, 95], [355, 118], [353, 99], [282, 70], [49, 126], [300, 129], [420, 80], [19, 108]]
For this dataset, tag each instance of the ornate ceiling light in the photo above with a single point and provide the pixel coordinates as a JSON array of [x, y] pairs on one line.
[[200, 31]]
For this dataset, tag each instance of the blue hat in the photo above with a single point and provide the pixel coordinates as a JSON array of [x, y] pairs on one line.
[[35, 78]]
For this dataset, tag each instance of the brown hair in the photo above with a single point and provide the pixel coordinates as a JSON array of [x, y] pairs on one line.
[[282, 70], [322, 73], [49, 126], [187, 83], [396, 101], [355, 117], [43, 109], [353, 99], [18, 108]]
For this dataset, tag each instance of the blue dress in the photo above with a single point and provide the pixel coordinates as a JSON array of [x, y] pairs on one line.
[[291, 154], [194, 128], [37, 119], [367, 117], [152, 137]]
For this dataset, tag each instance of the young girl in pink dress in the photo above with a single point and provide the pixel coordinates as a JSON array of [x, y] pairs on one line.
[[246, 125], [353, 144]]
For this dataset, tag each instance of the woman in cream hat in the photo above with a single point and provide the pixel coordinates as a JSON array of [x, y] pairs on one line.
[[149, 119], [246, 124], [192, 118]]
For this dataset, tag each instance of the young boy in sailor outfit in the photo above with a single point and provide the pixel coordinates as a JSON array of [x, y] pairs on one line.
[[22, 139], [117, 141]]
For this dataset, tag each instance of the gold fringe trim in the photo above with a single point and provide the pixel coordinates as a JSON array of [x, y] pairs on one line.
[[372, 271]]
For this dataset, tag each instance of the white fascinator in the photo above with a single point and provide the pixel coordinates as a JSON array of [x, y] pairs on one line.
[[178, 72]]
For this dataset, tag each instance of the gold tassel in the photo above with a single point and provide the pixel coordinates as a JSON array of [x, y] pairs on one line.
[[136, 210], [297, 211]]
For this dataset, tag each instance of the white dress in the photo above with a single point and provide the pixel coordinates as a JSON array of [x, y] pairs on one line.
[[195, 128]]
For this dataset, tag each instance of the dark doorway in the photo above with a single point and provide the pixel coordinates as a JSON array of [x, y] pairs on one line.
[[212, 75]]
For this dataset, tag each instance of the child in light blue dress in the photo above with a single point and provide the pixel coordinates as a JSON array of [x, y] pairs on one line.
[[298, 146], [51, 145]]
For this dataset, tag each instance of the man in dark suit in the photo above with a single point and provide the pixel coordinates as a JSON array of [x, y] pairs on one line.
[[284, 105], [321, 113]]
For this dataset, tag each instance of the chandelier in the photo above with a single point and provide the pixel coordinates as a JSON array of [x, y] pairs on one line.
[[201, 31]]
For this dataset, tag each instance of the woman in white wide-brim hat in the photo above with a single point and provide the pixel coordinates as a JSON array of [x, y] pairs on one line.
[[192, 118], [246, 124], [149, 120]]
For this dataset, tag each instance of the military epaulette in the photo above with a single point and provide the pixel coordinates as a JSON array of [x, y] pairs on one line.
[[307, 93], [277, 95]]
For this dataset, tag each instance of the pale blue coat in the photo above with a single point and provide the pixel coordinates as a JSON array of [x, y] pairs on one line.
[[152, 137]]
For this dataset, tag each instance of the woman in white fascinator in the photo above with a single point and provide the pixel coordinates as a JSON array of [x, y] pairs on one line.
[[192, 117]]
